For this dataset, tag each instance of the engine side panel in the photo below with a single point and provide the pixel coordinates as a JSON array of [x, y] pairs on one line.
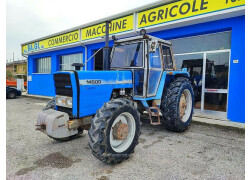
[[96, 88]]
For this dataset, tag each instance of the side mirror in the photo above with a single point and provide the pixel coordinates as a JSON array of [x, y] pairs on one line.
[[153, 45]]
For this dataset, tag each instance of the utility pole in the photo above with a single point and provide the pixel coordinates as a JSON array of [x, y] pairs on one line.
[[13, 61]]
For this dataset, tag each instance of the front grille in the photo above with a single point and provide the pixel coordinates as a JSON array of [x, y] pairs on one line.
[[63, 84]]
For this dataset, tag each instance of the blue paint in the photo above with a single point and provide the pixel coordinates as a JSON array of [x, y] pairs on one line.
[[166, 78], [43, 84], [144, 103], [93, 96], [236, 103]]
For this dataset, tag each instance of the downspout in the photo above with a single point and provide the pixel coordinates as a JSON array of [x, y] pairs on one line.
[[86, 51]]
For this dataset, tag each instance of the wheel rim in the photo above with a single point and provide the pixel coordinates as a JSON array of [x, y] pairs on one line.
[[12, 95], [122, 132], [185, 105]]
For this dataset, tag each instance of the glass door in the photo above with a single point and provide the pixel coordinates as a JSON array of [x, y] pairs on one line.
[[194, 64], [215, 88], [209, 77]]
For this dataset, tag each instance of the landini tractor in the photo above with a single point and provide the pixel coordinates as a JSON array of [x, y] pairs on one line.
[[139, 77]]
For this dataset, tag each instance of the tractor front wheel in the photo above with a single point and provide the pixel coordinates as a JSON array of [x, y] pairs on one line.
[[177, 105], [114, 131]]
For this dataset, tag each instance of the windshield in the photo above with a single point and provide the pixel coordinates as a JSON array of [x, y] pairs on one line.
[[128, 55]]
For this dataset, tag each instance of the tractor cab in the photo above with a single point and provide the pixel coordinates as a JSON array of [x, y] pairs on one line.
[[147, 57]]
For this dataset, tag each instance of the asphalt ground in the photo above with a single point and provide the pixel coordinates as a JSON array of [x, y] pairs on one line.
[[202, 152]]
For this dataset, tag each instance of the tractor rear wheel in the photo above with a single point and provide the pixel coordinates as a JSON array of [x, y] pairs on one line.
[[177, 105], [114, 131]]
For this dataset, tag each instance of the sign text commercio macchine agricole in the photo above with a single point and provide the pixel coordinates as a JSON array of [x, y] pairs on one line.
[[170, 12]]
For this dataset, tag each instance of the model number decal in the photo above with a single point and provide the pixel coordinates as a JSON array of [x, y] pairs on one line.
[[83, 82], [93, 81]]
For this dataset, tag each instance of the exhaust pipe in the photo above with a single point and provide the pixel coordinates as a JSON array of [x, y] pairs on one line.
[[106, 49]]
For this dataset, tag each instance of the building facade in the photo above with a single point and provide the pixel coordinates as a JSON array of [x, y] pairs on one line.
[[208, 38], [18, 69]]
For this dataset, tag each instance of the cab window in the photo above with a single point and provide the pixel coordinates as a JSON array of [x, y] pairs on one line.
[[167, 57], [128, 55]]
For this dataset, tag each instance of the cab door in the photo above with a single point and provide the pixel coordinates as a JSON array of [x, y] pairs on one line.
[[155, 70]]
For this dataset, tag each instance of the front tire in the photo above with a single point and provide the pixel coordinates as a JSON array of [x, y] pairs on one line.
[[114, 131], [50, 105], [177, 105]]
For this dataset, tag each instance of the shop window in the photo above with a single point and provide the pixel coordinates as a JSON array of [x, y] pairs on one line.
[[209, 42], [43, 65], [66, 61]]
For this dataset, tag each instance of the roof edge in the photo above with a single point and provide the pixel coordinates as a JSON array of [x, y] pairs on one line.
[[128, 12]]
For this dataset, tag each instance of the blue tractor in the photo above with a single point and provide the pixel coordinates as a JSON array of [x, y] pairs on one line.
[[139, 76]]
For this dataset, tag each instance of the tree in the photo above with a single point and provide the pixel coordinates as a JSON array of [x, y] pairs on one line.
[[9, 75]]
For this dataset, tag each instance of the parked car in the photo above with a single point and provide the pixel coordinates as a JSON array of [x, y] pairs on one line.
[[12, 93]]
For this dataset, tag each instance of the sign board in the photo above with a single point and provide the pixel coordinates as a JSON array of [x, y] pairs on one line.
[[29, 78], [56, 41], [183, 9], [116, 26], [236, 61]]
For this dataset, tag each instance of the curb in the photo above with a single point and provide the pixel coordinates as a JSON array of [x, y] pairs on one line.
[[37, 97], [224, 124]]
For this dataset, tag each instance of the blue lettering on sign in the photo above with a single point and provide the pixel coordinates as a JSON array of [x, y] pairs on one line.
[[30, 47], [35, 48]]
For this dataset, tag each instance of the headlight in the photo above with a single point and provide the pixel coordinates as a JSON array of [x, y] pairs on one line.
[[59, 100], [69, 102], [64, 101]]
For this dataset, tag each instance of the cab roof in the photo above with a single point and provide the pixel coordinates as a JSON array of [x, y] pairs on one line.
[[140, 37]]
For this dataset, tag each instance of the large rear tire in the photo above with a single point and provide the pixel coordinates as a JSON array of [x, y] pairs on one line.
[[114, 131], [177, 105]]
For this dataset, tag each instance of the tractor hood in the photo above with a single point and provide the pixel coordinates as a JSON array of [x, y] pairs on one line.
[[89, 89]]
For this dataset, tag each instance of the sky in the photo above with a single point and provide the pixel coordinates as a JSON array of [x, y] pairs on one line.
[[27, 20]]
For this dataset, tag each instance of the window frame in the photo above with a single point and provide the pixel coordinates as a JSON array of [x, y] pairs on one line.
[[203, 35], [172, 57], [36, 64], [60, 56], [133, 67]]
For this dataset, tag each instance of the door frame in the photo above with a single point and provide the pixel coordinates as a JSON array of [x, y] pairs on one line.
[[203, 91]]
